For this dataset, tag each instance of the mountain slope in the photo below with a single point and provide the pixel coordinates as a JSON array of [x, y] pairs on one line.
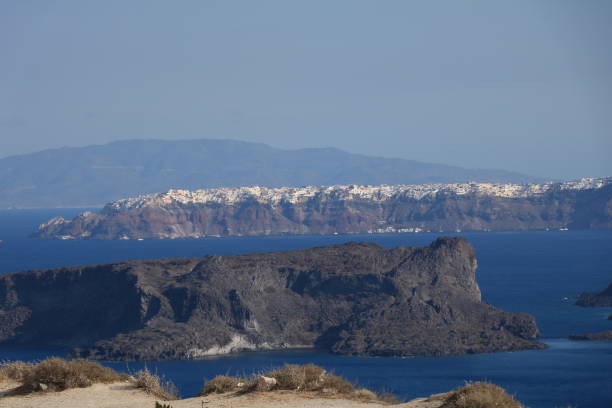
[[94, 175]]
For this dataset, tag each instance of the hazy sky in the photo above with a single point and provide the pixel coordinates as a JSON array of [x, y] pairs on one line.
[[519, 85]]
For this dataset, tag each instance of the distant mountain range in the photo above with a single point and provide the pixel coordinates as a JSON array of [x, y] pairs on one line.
[[95, 175]]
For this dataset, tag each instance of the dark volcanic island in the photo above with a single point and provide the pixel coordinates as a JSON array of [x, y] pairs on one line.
[[599, 336], [356, 298], [599, 299], [353, 209], [595, 299]]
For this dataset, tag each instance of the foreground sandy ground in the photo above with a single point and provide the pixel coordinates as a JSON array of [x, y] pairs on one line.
[[125, 395]]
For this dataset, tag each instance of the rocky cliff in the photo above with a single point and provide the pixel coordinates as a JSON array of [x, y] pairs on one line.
[[598, 299], [345, 209], [356, 298]]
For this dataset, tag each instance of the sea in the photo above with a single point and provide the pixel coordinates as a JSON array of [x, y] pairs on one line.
[[538, 272]]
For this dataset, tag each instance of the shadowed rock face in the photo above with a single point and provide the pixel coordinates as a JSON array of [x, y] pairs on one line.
[[356, 298], [345, 210], [600, 299], [599, 336]]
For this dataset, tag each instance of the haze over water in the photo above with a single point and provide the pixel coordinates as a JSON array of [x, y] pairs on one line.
[[529, 272]]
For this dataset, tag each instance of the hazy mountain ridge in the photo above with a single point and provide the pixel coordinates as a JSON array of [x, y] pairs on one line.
[[94, 175], [584, 204]]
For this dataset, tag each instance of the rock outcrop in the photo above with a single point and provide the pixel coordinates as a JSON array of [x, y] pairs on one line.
[[356, 298], [599, 336], [598, 299], [345, 210]]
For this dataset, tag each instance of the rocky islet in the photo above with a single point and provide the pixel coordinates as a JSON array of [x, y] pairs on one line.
[[355, 298]]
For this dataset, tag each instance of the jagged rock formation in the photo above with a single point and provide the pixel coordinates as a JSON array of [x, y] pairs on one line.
[[356, 298], [345, 209], [599, 336], [599, 299]]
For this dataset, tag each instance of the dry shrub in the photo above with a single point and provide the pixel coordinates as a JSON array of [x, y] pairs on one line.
[[309, 378], [222, 384], [56, 374], [290, 377], [388, 398], [155, 385], [365, 394], [336, 385], [14, 370], [480, 395], [306, 378]]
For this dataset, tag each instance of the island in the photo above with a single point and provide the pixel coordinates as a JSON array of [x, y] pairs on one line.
[[597, 299], [355, 299], [352, 209], [605, 335]]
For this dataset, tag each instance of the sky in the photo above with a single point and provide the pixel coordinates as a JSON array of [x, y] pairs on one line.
[[516, 85]]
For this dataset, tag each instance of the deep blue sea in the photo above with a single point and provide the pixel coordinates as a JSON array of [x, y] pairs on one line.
[[531, 272]]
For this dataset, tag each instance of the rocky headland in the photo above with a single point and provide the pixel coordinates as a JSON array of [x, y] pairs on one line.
[[584, 204], [355, 298], [596, 299]]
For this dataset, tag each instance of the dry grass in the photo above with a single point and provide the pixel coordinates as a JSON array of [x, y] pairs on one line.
[[155, 385], [480, 395], [304, 378], [14, 370], [56, 374], [223, 383]]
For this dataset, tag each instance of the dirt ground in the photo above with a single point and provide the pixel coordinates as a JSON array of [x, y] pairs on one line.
[[125, 395]]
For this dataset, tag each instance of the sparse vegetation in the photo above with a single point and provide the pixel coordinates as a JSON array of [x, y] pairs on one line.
[[14, 370], [56, 374], [223, 383], [155, 385], [304, 378], [479, 395]]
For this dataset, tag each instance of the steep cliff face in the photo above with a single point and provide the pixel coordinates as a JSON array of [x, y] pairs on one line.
[[584, 204], [356, 298]]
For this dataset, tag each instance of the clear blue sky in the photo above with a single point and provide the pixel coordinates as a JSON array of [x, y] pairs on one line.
[[519, 85]]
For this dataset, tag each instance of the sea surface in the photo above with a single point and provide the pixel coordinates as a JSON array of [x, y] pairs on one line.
[[533, 272]]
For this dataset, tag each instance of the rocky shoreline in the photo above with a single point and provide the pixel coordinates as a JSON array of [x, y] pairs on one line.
[[355, 298]]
